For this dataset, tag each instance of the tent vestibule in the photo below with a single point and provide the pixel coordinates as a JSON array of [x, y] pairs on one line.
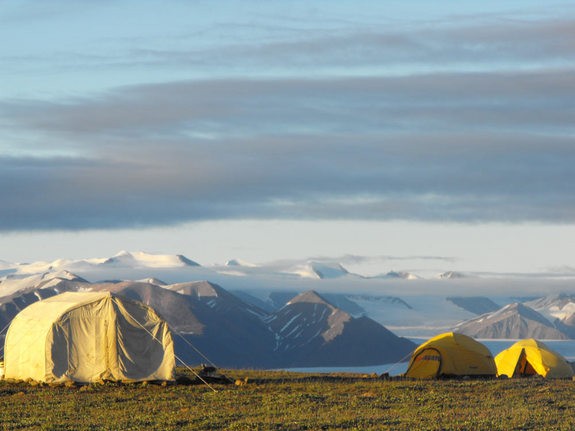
[[531, 357]]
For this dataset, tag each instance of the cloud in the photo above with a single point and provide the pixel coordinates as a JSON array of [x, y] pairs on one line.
[[170, 153], [539, 101], [348, 49], [475, 144], [293, 44]]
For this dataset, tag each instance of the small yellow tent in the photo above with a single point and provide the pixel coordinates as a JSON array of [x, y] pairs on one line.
[[450, 355], [530, 357], [87, 337]]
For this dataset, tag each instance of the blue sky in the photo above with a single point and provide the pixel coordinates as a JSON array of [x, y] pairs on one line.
[[229, 129]]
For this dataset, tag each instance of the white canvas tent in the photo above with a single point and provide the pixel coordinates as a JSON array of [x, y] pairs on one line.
[[88, 337]]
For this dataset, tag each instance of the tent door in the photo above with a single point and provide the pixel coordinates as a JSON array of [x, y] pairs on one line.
[[426, 365], [523, 368]]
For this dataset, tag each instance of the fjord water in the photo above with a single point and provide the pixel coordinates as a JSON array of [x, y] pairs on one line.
[[564, 347]]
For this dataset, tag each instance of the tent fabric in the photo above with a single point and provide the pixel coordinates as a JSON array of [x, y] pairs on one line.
[[450, 355], [88, 337], [530, 357]]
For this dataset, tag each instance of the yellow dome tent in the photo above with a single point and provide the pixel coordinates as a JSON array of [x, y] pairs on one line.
[[530, 357], [88, 337], [451, 355]]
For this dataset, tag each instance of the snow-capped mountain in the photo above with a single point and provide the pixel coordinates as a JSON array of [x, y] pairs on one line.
[[148, 260], [514, 321], [567, 325], [318, 270], [451, 275], [240, 262], [58, 279], [399, 275], [153, 280], [558, 306], [560, 309], [399, 300]]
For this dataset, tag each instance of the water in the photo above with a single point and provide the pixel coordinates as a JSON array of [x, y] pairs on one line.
[[564, 347]]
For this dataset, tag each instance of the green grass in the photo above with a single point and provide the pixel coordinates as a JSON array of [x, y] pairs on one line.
[[294, 401]]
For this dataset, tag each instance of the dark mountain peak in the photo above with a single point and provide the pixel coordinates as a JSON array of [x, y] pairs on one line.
[[186, 261], [474, 304], [167, 304], [311, 297]]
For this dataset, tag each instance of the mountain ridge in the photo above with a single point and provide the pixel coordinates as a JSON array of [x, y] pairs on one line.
[[233, 333]]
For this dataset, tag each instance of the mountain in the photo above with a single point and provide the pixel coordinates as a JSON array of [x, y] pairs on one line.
[[399, 275], [475, 304], [140, 258], [451, 275], [309, 330], [60, 280], [514, 321], [239, 262], [566, 325], [560, 309], [153, 280], [274, 300], [204, 317], [318, 270], [558, 306], [19, 293]]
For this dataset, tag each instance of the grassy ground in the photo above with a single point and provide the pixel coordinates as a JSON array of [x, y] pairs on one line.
[[288, 401]]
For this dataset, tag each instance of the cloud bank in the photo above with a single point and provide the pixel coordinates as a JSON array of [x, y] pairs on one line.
[[475, 124]]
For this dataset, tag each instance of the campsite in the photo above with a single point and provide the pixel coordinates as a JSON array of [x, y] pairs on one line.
[[95, 360], [272, 400]]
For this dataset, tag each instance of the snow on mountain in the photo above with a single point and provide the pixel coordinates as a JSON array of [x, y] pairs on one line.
[[399, 275], [424, 315], [152, 280], [239, 262], [5, 265], [198, 289], [514, 321], [41, 266], [14, 284], [140, 264], [567, 325], [451, 275], [558, 306], [305, 317], [401, 301], [318, 270], [310, 329], [560, 309], [148, 260]]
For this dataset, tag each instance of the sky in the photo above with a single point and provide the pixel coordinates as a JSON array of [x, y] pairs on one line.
[[411, 133]]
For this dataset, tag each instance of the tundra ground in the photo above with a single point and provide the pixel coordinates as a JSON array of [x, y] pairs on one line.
[[294, 401]]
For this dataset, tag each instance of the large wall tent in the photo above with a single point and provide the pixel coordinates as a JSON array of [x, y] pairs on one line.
[[88, 337], [451, 355], [531, 357]]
